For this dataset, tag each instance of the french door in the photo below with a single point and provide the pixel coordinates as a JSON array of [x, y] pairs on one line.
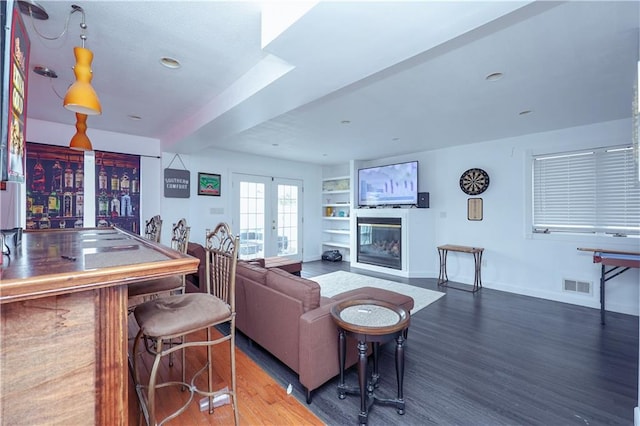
[[267, 216]]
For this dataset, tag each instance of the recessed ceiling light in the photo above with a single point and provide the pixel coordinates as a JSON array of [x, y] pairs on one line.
[[494, 76], [134, 117], [345, 122], [275, 144], [525, 112], [170, 62], [44, 71], [395, 139]]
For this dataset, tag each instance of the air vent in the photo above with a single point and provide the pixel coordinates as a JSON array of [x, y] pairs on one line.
[[575, 286]]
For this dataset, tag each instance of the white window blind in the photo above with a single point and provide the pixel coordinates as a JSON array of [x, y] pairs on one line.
[[589, 191]]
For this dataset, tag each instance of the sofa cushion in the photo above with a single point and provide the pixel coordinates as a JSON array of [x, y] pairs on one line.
[[251, 271], [302, 289]]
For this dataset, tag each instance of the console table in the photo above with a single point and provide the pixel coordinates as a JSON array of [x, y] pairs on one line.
[[443, 279], [371, 321], [619, 262]]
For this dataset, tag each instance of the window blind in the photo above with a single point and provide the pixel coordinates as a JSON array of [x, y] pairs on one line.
[[591, 191]]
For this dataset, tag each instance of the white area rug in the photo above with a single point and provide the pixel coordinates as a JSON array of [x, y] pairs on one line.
[[341, 281]]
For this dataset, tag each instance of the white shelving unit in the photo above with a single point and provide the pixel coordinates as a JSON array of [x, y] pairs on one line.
[[336, 215]]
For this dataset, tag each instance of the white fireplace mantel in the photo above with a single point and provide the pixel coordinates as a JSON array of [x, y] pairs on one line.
[[414, 224]]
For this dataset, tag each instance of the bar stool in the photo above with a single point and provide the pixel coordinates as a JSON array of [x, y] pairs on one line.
[[141, 291], [179, 241], [153, 228], [178, 316]]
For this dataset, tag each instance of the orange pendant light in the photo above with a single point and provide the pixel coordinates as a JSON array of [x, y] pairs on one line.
[[80, 141], [81, 97]]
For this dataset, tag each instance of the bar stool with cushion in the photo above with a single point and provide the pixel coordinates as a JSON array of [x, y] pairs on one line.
[[153, 228], [173, 284], [180, 316]]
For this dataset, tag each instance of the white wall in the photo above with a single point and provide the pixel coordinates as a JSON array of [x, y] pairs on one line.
[[516, 260], [198, 209]]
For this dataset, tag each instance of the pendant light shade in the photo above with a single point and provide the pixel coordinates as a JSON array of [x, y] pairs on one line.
[[80, 141], [81, 98]]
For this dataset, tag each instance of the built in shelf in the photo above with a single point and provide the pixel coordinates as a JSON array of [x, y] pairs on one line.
[[340, 191], [338, 231], [336, 217], [335, 244]]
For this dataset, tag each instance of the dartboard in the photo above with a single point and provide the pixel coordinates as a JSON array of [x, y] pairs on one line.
[[474, 181]]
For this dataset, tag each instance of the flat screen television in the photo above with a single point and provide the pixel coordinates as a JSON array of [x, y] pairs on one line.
[[390, 185]]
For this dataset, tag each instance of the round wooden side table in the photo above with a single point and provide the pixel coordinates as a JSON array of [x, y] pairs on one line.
[[375, 322]]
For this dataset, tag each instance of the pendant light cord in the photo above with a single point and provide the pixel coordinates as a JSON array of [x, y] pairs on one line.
[[83, 25]]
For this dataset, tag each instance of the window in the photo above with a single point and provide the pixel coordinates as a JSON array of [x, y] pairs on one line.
[[594, 191]]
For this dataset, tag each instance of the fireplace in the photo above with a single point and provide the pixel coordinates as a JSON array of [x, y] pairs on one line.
[[379, 241]]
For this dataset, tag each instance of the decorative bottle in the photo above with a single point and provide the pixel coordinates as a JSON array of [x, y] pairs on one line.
[[124, 181], [38, 182], [79, 204], [102, 177], [125, 205], [115, 182], [103, 204], [67, 204], [68, 177], [79, 178], [135, 182], [53, 203], [57, 176]]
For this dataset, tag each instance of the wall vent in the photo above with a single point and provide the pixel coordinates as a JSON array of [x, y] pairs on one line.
[[575, 286]]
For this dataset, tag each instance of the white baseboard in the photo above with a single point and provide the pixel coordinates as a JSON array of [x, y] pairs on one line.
[[636, 416]]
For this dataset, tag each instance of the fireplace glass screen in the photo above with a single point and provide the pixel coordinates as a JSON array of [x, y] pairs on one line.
[[379, 241]]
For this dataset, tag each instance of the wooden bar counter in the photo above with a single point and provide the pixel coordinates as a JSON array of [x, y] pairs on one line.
[[63, 335]]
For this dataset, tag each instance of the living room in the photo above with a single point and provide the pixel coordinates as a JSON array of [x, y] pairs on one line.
[[516, 259]]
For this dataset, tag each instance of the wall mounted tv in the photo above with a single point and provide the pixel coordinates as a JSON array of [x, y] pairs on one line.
[[390, 185]]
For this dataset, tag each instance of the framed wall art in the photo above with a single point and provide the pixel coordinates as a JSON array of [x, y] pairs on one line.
[[474, 209], [208, 184]]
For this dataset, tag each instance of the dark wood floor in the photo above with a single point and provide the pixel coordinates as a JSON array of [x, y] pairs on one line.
[[493, 358]]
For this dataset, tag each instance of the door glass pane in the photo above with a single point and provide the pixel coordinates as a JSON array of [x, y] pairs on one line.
[[252, 220], [287, 219]]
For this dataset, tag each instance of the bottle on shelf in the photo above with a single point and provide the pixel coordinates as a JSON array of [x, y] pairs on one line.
[[67, 204], [79, 204], [39, 200], [102, 177], [68, 177], [57, 176], [45, 223], [124, 181], [39, 179], [135, 182], [125, 204], [79, 177], [103, 204], [115, 206], [53, 203], [115, 181]]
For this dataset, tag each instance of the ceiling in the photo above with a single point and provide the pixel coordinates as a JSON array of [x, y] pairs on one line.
[[347, 80]]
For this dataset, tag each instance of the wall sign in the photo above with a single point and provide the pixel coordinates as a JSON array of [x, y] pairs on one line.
[[17, 95], [474, 209], [177, 183], [208, 184]]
